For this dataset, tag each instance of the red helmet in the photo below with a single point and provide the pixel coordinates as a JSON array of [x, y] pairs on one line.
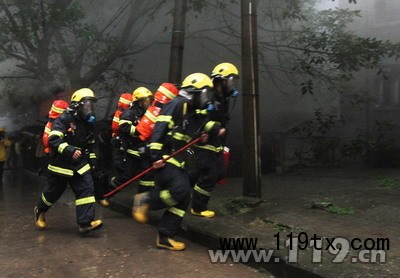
[[57, 108]]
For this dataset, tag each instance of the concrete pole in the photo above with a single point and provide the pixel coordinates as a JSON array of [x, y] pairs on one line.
[[251, 128], [177, 43]]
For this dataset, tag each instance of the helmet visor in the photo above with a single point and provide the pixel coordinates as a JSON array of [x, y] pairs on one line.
[[231, 83], [87, 108]]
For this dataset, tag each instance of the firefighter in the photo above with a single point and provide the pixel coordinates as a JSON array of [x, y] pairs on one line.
[[180, 120], [71, 140], [209, 165], [135, 148]]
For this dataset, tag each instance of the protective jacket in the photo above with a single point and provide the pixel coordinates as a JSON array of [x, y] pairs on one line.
[[176, 126], [70, 133], [127, 129]]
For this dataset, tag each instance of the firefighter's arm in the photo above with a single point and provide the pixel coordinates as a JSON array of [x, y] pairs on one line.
[[92, 155], [126, 125], [57, 141], [164, 123]]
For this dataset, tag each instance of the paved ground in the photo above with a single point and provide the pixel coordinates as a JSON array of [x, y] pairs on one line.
[[122, 248], [331, 203]]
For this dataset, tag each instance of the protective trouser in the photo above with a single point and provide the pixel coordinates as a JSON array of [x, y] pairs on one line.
[[83, 188], [134, 165], [119, 160], [172, 192], [204, 173]]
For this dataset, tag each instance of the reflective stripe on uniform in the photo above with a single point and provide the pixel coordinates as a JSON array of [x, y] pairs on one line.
[[56, 133], [210, 148], [156, 146], [45, 201], [201, 112], [132, 130], [60, 170], [84, 201], [164, 118], [201, 190], [47, 130], [132, 152], [180, 136], [121, 122], [167, 199], [62, 146], [116, 119], [92, 155], [84, 169], [177, 211], [174, 161], [146, 183]]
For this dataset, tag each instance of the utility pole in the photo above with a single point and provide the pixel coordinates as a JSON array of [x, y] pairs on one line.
[[251, 127], [177, 43]]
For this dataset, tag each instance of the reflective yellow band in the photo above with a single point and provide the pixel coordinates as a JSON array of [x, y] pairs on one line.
[[202, 112], [164, 118], [92, 141], [210, 148], [132, 130], [59, 170], [62, 146], [166, 92], [180, 136], [201, 190], [209, 126], [132, 152], [84, 201], [84, 169], [124, 101], [177, 211], [121, 122], [184, 108], [116, 119], [56, 133], [47, 130], [151, 116], [167, 199], [156, 146], [92, 155], [57, 109], [45, 201], [175, 162], [146, 183]]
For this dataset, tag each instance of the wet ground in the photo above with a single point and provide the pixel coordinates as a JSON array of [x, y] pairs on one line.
[[122, 248]]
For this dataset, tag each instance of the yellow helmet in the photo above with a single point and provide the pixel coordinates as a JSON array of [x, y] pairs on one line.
[[197, 81], [225, 70], [142, 92], [84, 93]]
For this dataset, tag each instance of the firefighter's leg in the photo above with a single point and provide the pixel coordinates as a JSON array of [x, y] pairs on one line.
[[157, 198], [120, 164], [146, 183], [176, 196], [205, 184], [51, 193], [82, 186], [130, 170]]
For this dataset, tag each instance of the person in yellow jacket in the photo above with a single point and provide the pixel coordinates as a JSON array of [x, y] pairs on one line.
[[4, 145]]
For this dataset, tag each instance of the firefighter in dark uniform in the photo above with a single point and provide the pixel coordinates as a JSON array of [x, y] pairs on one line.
[[135, 148], [180, 120], [209, 165], [71, 140]]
